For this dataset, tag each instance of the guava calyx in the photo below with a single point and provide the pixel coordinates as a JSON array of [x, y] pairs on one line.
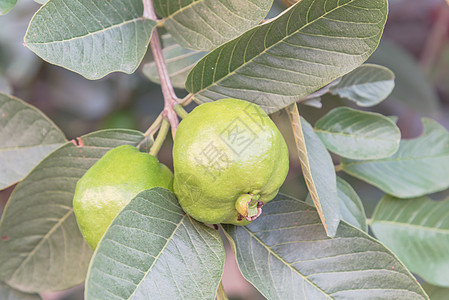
[[249, 206]]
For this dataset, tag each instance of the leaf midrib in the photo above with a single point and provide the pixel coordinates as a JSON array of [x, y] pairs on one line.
[[391, 160], [413, 226], [90, 33], [284, 262], [19, 148], [363, 137], [268, 48], [157, 256], [44, 239]]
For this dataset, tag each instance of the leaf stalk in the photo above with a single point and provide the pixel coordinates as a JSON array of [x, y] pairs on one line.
[[161, 136]]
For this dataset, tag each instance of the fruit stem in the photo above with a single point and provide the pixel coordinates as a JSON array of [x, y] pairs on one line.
[[170, 98], [180, 111], [162, 134]]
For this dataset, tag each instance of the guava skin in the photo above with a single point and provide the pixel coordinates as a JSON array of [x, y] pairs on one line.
[[222, 150], [110, 184]]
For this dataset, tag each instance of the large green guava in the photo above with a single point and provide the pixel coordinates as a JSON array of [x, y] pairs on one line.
[[111, 183], [229, 159]]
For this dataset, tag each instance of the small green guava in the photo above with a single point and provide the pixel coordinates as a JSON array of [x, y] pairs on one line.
[[110, 184], [229, 160]]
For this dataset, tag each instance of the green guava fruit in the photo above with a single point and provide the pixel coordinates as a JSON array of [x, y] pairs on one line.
[[110, 184], [229, 160]]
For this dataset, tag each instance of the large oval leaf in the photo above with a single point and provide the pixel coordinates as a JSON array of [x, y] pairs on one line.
[[26, 137], [318, 171], [357, 134], [282, 61], [286, 254], [8, 293], [367, 85], [179, 62], [417, 230], [41, 247], [154, 250], [90, 37], [206, 24], [419, 167]]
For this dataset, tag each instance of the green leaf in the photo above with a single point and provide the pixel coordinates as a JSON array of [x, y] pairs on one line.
[[436, 292], [286, 254], [6, 6], [412, 89], [280, 62], [41, 247], [89, 37], [318, 171], [419, 167], [179, 62], [368, 85], [417, 231], [357, 134], [8, 293], [206, 24], [154, 250], [351, 207], [26, 137]]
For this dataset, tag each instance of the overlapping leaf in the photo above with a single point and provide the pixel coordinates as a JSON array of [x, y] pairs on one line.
[[26, 137], [286, 254], [367, 85], [282, 61], [351, 207], [419, 167], [6, 6], [179, 62], [206, 24], [357, 134], [41, 247], [8, 293], [154, 250], [318, 171], [90, 37], [417, 230]]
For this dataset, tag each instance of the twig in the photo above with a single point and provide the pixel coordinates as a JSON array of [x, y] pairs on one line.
[[170, 98], [148, 10]]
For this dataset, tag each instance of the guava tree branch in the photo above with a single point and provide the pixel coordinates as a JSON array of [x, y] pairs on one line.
[[170, 98]]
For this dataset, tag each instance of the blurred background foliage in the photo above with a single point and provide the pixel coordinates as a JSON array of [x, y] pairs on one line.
[[415, 47]]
